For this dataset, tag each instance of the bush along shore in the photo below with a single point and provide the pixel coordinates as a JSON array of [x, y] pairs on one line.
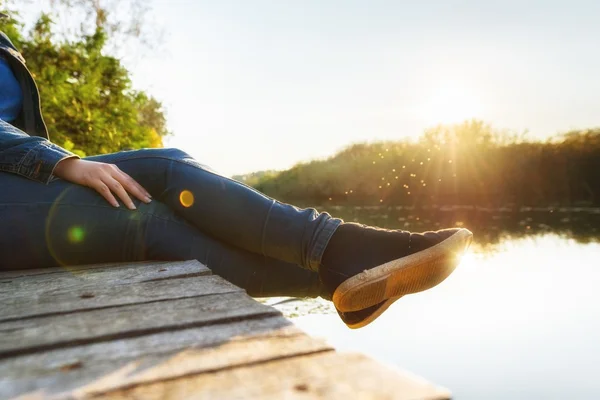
[[464, 164]]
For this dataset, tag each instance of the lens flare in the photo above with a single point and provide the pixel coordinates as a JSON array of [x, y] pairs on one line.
[[76, 234], [186, 198]]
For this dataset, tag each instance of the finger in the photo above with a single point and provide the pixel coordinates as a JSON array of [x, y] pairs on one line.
[[118, 189], [133, 187], [101, 188], [129, 180], [141, 189]]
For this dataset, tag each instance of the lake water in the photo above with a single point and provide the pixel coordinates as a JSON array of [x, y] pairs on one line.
[[519, 319]]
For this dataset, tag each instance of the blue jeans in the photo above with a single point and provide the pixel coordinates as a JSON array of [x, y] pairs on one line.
[[264, 246]]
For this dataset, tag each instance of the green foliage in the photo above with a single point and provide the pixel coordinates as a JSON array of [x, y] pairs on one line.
[[468, 163], [255, 177], [87, 98]]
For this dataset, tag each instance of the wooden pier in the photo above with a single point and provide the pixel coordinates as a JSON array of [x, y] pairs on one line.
[[169, 331]]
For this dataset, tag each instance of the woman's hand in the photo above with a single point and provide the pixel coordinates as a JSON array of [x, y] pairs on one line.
[[106, 179]]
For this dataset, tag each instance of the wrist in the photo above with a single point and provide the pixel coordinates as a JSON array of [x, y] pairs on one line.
[[64, 164]]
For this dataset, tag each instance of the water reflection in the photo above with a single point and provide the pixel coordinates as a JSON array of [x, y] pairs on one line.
[[490, 225], [517, 322]]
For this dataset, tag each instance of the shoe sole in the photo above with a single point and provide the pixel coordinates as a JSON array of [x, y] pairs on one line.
[[372, 317], [411, 274]]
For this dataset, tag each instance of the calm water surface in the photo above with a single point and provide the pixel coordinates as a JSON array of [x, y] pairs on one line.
[[519, 319]]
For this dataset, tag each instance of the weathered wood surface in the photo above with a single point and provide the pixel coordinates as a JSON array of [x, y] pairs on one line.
[[168, 330], [97, 368], [42, 300], [179, 268], [327, 375], [44, 333]]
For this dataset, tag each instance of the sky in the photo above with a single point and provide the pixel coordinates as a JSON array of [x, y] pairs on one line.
[[255, 85]]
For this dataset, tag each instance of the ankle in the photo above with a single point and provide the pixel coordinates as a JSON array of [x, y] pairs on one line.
[[344, 237]]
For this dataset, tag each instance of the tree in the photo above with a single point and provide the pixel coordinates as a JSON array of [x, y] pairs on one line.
[[87, 96], [129, 31], [470, 163]]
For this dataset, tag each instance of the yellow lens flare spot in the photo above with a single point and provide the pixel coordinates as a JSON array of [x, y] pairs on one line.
[[76, 234], [186, 198]]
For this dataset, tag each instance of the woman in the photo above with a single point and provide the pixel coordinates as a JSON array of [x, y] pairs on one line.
[[57, 209]]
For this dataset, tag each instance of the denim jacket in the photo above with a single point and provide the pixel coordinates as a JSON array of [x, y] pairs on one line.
[[24, 145]]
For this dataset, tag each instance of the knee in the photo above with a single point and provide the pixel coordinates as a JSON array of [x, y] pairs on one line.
[[178, 155], [168, 153]]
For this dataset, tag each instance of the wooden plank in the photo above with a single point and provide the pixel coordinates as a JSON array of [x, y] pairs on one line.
[[128, 272], [30, 335], [38, 364], [17, 273], [101, 367], [198, 361], [72, 298], [328, 375]]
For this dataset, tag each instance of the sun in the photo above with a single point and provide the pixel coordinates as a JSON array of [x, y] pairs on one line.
[[451, 104]]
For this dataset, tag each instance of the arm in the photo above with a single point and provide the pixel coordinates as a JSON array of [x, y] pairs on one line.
[[29, 156], [38, 159]]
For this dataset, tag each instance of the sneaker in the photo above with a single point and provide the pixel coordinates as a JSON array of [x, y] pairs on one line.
[[364, 267]]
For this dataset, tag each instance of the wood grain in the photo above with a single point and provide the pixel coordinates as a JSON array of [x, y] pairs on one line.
[[328, 375], [55, 298], [121, 363], [19, 337], [126, 273]]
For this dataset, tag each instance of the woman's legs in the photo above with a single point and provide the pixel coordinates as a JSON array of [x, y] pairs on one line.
[[229, 210], [365, 269], [64, 224]]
